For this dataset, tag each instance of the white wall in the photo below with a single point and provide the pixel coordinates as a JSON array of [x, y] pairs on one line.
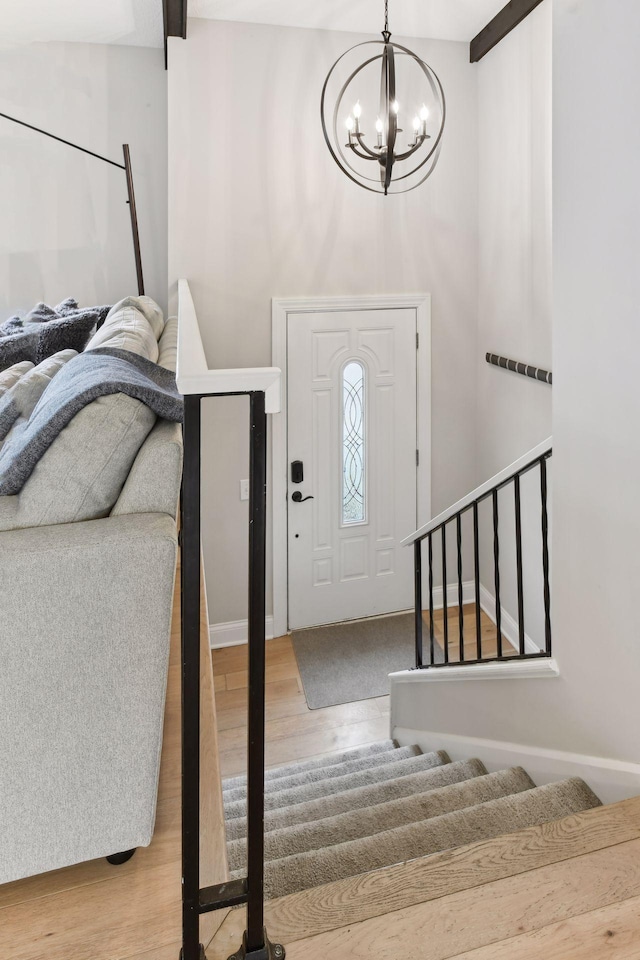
[[513, 413], [65, 220], [593, 708], [596, 348], [258, 209]]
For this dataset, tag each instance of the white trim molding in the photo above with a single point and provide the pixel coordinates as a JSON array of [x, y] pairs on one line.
[[234, 633], [281, 308], [541, 669], [611, 780]]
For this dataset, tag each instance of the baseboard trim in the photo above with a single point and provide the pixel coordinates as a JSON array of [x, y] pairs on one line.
[[611, 780], [234, 633], [508, 625], [468, 595]]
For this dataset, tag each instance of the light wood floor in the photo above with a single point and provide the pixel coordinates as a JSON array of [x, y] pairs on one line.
[[293, 731]]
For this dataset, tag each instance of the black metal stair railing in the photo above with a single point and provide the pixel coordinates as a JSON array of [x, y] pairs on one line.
[[434, 535], [196, 382]]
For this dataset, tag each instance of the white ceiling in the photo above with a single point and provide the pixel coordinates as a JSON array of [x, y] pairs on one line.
[[139, 22], [438, 19]]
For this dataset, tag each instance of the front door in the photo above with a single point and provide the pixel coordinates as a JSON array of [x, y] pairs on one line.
[[352, 419]]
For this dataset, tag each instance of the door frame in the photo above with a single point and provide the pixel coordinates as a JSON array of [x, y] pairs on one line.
[[281, 308]]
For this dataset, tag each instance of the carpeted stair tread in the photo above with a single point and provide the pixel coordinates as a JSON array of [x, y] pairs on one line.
[[431, 778], [484, 821], [328, 772], [322, 788], [355, 753], [369, 821]]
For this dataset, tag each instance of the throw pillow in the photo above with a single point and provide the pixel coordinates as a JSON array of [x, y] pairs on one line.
[[45, 331], [41, 313], [65, 333], [17, 347], [12, 325]]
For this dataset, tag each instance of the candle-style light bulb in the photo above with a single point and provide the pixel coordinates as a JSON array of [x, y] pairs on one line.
[[424, 113], [416, 123], [395, 106], [379, 129], [349, 124], [357, 111]]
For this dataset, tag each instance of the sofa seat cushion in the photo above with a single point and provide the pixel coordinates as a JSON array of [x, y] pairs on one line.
[[133, 324]]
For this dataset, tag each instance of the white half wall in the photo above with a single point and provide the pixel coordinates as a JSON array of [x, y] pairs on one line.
[[65, 220], [258, 209]]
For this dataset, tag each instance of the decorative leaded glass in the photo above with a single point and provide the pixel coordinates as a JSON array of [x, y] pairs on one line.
[[353, 453]]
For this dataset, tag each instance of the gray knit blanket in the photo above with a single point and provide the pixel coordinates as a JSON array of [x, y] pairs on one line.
[[83, 379]]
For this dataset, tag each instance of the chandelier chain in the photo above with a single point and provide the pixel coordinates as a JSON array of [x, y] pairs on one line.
[[386, 16]]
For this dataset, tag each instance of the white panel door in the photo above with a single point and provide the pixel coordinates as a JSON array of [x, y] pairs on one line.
[[351, 412]]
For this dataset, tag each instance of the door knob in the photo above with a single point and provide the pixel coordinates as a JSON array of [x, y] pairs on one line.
[[298, 498]]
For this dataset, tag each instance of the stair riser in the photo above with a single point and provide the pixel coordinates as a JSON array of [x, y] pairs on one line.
[[367, 796], [373, 820]]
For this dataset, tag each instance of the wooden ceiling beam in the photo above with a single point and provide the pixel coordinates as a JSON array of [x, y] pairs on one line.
[[501, 25], [175, 21]]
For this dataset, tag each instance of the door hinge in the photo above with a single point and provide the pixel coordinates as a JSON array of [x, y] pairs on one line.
[[417, 458]]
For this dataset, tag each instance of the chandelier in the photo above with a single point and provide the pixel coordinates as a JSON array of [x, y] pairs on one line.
[[377, 154]]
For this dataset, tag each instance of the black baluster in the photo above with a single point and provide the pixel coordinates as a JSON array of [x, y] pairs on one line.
[[432, 633], [545, 556], [460, 597], [476, 563], [417, 549], [516, 497], [496, 568], [445, 610]]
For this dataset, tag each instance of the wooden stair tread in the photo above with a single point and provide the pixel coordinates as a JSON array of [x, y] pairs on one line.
[[472, 923], [318, 912]]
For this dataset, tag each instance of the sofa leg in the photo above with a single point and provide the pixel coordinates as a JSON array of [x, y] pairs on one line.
[[117, 858]]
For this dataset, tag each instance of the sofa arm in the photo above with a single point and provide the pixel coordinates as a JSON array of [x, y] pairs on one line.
[[84, 646]]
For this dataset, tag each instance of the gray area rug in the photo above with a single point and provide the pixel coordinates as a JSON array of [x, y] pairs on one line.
[[351, 661]]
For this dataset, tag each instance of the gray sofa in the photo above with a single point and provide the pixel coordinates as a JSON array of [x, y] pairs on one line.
[[85, 615]]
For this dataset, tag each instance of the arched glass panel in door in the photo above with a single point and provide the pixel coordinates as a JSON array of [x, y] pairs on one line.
[[353, 443]]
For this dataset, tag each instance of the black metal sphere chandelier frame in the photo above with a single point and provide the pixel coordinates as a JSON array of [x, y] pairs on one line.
[[385, 153]]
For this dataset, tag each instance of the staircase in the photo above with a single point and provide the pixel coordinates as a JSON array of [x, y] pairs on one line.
[[350, 813]]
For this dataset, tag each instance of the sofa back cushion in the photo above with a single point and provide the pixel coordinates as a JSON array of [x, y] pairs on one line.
[[82, 473], [168, 345], [133, 324], [10, 376]]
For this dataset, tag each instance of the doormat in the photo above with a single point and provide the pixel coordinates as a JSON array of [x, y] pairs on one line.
[[344, 662]]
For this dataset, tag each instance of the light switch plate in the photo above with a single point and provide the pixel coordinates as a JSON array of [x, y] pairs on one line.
[[244, 489]]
